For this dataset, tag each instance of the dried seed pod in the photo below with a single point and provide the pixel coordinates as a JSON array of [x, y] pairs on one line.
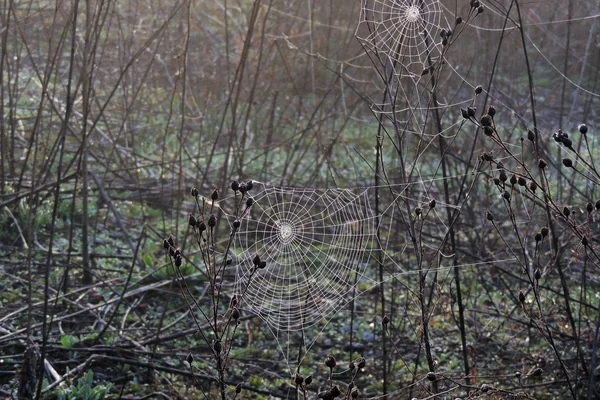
[[522, 181], [471, 111], [584, 241], [478, 90], [597, 205], [513, 180], [537, 274], [589, 207], [249, 185], [166, 244], [491, 110], [533, 186], [235, 186], [249, 202], [458, 20], [431, 376], [171, 241], [217, 346], [485, 120], [194, 192], [354, 393], [485, 388], [298, 379], [236, 224], [489, 216], [488, 130], [531, 135], [503, 177], [432, 203], [418, 211], [214, 195], [351, 366], [335, 391], [567, 162], [212, 221], [238, 388], [178, 260], [558, 136], [235, 314], [566, 212], [567, 142], [506, 195], [480, 9], [497, 181], [521, 296], [308, 380], [542, 163], [487, 157], [361, 362], [544, 231], [192, 220], [262, 265], [385, 320], [536, 372], [256, 260], [330, 361], [583, 129], [189, 358], [201, 226], [538, 237], [464, 113]]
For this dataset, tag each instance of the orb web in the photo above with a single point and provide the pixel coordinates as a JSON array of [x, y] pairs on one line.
[[405, 31], [315, 244]]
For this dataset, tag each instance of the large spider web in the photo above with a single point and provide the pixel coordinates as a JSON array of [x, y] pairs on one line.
[[406, 31], [316, 244]]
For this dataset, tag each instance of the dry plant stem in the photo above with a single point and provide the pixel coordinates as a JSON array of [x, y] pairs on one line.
[[4, 150], [62, 139], [378, 162], [238, 79], [117, 216], [125, 287], [550, 221], [86, 69], [450, 221], [563, 89], [592, 391]]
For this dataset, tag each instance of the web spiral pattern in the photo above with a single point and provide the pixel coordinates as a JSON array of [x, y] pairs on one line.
[[406, 31], [315, 244]]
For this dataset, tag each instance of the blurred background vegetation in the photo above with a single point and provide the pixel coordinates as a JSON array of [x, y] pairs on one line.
[[111, 110]]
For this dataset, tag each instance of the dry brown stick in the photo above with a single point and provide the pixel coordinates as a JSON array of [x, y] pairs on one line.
[[134, 292], [72, 372], [117, 215], [20, 195]]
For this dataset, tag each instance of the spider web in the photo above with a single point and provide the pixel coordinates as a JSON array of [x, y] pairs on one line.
[[403, 30], [315, 244]]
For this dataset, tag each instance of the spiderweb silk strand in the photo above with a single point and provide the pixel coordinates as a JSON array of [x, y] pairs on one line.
[[405, 31], [314, 243]]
